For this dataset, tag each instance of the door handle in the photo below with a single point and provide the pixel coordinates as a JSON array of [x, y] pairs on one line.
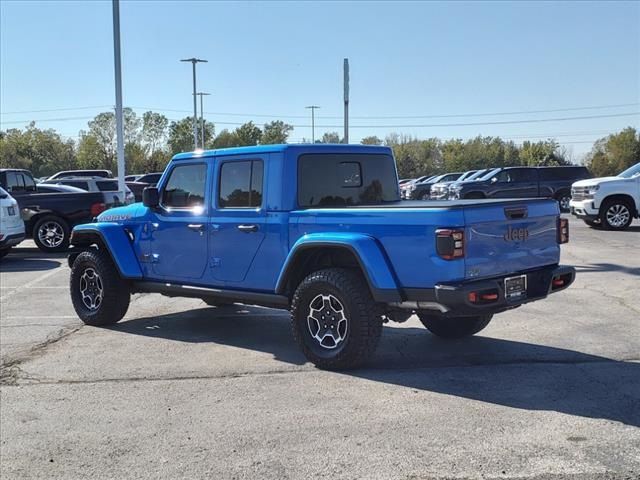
[[196, 227], [248, 228]]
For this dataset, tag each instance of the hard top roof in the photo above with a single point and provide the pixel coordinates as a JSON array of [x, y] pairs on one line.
[[302, 147]]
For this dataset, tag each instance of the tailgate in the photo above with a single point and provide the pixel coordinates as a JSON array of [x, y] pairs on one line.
[[511, 236]]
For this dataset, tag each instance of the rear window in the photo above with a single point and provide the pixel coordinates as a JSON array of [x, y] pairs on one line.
[[337, 180], [107, 185]]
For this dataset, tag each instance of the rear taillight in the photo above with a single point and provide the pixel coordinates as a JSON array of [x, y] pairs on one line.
[[563, 230], [450, 243], [97, 209]]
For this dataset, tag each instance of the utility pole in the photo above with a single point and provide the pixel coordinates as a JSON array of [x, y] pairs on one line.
[[202, 94], [346, 100], [313, 122], [118, 81], [195, 104]]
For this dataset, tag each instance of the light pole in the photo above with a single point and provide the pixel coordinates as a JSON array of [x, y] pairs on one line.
[[195, 104], [118, 81], [202, 94], [313, 122]]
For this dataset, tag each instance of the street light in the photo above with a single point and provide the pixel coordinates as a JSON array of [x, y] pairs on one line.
[[115, 4], [202, 94], [195, 105], [313, 122]]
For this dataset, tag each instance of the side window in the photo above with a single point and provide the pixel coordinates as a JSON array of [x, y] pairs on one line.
[[29, 184], [523, 175], [185, 187], [241, 184], [14, 182], [503, 176], [107, 185], [77, 184]]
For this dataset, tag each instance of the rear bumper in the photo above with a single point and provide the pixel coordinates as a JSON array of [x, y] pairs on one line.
[[11, 240], [454, 299]]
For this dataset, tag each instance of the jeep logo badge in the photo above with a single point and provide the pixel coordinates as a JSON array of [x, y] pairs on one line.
[[516, 234]]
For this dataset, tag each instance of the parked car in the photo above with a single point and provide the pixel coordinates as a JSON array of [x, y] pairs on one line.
[[55, 188], [422, 190], [81, 173], [610, 202], [523, 182], [321, 230], [108, 186], [407, 187], [49, 217], [11, 224], [144, 181], [440, 190]]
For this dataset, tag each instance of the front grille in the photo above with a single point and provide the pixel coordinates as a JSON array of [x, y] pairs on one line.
[[579, 193]]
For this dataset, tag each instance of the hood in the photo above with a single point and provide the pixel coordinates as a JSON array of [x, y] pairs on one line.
[[597, 181], [122, 214]]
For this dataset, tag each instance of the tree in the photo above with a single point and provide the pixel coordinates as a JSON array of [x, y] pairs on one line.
[[248, 134], [44, 152], [372, 140], [181, 136], [615, 153], [544, 153], [330, 137], [276, 132], [154, 131], [226, 139]]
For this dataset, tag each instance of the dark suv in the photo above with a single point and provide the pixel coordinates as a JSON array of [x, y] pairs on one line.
[[422, 191], [523, 182]]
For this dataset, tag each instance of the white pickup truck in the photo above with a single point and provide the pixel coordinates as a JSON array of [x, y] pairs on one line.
[[608, 202]]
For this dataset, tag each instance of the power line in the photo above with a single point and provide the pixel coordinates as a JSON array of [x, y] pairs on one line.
[[369, 117]]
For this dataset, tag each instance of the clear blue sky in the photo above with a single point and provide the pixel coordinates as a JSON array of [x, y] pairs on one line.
[[269, 58]]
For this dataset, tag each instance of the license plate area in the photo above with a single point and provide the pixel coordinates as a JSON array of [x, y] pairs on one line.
[[515, 288], [11, 210]]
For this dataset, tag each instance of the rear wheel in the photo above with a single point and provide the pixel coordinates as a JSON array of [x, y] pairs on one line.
[[99, 295], [616, 214], [454, 327], [564, 200], [335, 320], [51, 234]]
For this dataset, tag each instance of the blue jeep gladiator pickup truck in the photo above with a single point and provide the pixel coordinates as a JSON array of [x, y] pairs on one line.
[[319, 230]]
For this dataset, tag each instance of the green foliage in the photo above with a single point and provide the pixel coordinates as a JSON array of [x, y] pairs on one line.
[[615, 153], [42, 151], [373, 140], [276, 132], [330, 137], [226, 139], [154, 130], [248, 134]]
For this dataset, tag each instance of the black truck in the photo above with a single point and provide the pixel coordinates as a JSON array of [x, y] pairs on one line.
[[49, 217], [523, 182]]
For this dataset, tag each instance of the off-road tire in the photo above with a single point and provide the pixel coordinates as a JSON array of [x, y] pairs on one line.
[[454, 327], [116, 293], [364, 318], [64, 226], [613, 203]]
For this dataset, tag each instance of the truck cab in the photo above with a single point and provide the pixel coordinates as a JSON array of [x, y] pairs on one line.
[[319, 230], [608, 202]]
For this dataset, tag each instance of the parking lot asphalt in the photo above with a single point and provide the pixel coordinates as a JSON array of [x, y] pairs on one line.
[[179, 389]]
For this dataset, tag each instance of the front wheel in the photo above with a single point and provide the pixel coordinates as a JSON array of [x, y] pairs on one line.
[[615, 214], [99, 296], [335, 320], [454, 327]]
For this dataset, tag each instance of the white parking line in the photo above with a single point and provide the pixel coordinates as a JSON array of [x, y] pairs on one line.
[[29, 284]]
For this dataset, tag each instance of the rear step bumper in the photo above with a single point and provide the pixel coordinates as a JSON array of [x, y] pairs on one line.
[[489, 294]]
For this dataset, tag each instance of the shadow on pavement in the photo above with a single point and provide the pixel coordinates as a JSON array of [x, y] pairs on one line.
[[505, 372], [607, 267], [15, 263]]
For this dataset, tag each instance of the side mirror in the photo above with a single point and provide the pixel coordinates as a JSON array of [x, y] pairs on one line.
[[151, 197]]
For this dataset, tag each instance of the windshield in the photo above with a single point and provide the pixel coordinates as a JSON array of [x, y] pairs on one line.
[[631, 172], [477, 174]]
